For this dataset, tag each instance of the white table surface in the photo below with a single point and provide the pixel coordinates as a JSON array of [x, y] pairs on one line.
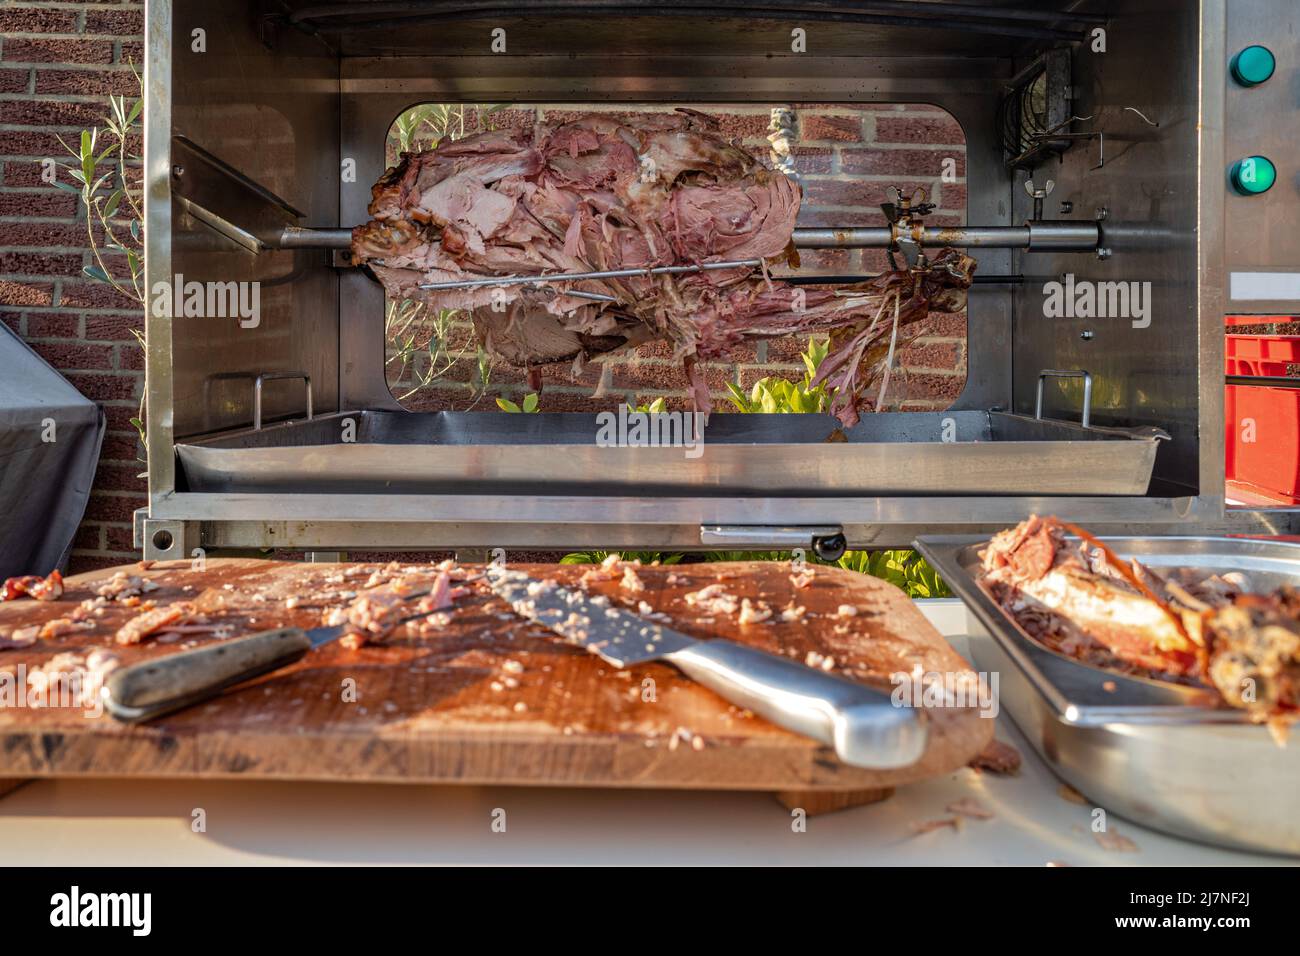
[[125, 822]]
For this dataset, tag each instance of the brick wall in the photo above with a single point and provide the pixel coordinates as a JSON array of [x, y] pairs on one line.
[[847, 156], [58, 63]]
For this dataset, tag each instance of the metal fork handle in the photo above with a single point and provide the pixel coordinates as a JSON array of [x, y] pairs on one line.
[[1047, 373], [270, 377]]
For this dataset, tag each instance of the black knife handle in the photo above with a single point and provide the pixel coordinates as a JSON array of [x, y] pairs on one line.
[[165, 684]]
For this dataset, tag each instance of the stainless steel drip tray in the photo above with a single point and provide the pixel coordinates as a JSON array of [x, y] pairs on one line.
[[909, 453], [1169, 756]]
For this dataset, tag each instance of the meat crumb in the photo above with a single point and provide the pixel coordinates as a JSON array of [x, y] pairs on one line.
[[793, 613], [753, 612], [1067, 792], [816, 660], [803, 577], [846, 610], [631, 580], [970, 807], [998, 758], [927, 826], [1115, 842]]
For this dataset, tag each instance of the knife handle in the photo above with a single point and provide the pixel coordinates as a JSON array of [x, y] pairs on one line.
[[159, 686], [861, 723]]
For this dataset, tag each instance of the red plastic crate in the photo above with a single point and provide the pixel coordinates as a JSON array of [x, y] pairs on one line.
[[1262, 439]]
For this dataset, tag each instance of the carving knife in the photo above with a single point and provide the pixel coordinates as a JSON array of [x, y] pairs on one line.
[[163, 685], [861, 723]]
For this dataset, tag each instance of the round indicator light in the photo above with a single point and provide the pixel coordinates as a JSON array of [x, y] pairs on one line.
[[1253, 65], [1253, 175]]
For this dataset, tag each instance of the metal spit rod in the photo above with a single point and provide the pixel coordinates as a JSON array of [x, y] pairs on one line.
[[1057, 236], [605, 274]]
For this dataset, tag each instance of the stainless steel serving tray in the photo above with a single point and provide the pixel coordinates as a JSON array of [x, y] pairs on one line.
[[901, 453], [1161, 754]]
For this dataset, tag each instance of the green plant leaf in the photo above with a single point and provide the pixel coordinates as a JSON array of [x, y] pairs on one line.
[[96, 273], [507, 406], [530, 402]]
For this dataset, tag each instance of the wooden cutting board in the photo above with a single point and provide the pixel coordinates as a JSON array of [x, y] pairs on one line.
[[490, 698]]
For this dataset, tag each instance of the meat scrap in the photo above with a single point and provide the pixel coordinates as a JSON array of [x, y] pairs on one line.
[[998, 758], [48, 588], [1115, 842], [970, 807], [151, 622], [599, 194], [122, 585], [1080, 599]]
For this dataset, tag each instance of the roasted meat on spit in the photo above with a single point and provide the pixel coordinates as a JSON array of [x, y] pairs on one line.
[[597, 194], [1079, 598]]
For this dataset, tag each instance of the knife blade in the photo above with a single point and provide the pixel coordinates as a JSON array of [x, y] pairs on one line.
[[164, 685], [862, 724]]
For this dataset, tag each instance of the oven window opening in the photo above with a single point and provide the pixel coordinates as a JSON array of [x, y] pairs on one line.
[[846, 158]]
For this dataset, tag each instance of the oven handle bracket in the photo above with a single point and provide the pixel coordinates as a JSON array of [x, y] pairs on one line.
[[1047, 373], [270, 377], [825, 541]]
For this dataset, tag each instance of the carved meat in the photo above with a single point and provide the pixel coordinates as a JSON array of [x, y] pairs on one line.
[[596, 194], [1077, 597]]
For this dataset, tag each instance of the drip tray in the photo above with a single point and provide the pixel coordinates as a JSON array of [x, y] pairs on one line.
[[900, 454]]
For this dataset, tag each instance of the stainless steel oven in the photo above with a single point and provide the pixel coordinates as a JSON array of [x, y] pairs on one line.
[[1100, 135]]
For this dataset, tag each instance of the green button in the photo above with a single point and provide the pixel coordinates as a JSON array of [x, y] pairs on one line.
[[1253, 175], [1253, 65]]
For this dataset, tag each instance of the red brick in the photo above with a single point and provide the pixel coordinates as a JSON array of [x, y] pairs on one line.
[[952, 195], [132, 53], [919, 129], [118, 537], [80, 562], [40, 263], [119, 419], [119, 22], [120, 447], [13, 292], [47, 113], [38, 205], [822, 217], [34, 20], [840, 129], [900, 162], [14, 81], [130, 357], [812, 160], [834, 192], [84, 82], [945, 324], [42, 234], [57, 50], [103, 387], [88, 537], [118, 508], [31, 143], [30, 172], [122, 476], [924, 385], [94, 295], [750, 375], [53, 325], [931, 355], [74, 355]]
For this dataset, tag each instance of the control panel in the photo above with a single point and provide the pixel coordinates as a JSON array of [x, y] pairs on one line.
[[1261, 175]]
